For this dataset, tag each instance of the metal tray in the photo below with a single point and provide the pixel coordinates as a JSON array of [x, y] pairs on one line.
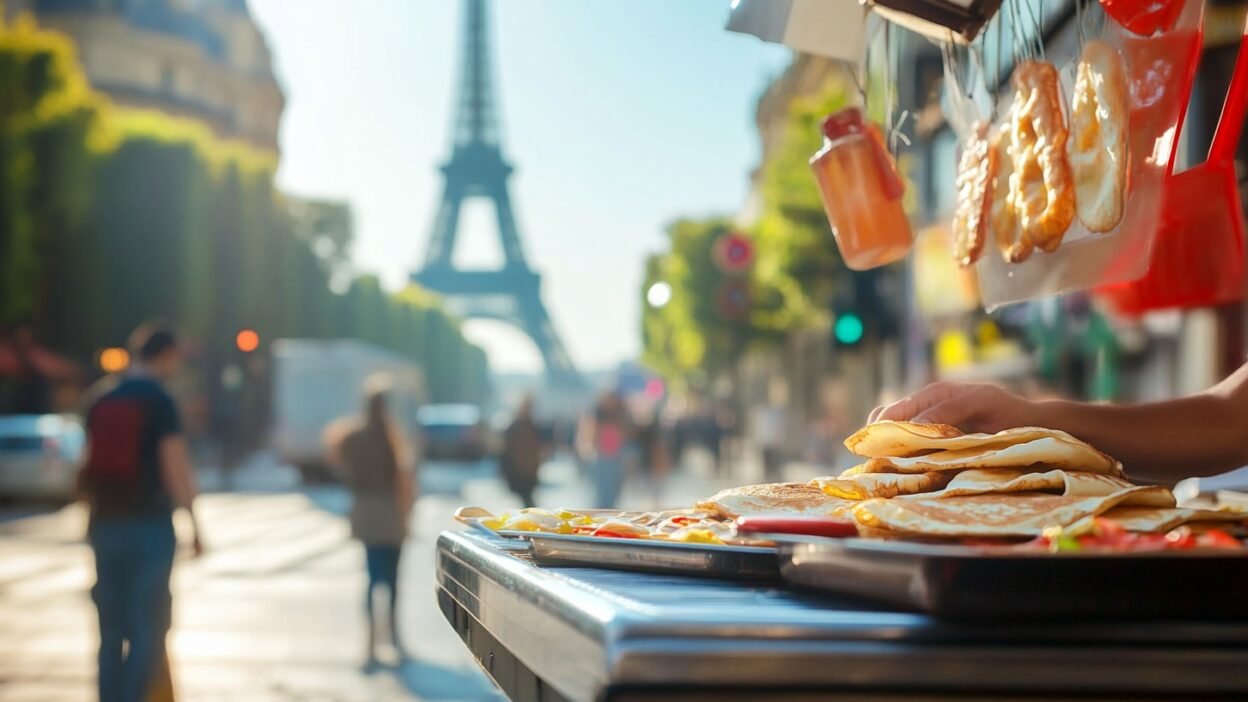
[[707, 560], [969, 583]]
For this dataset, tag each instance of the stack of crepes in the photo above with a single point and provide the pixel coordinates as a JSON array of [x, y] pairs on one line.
[[933, 481]]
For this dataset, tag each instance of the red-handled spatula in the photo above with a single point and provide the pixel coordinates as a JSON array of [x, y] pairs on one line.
[[806, 526]]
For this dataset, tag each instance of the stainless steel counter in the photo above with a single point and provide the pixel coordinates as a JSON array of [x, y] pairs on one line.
[[588, 634]]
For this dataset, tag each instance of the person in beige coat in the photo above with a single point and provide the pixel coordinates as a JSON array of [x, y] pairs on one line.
[[376, 466]]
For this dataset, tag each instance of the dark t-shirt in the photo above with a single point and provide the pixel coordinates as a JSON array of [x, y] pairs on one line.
[[126, 426]]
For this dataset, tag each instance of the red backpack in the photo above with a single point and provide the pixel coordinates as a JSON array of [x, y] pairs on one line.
[[115, 431]]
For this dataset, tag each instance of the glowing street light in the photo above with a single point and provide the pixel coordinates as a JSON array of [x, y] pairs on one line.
[[659, 294], [247, 340], [114, 360]]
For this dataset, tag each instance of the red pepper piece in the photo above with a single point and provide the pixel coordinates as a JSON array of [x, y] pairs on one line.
[[1216, 538]]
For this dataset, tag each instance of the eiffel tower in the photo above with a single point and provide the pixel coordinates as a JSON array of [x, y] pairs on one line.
[[477, 169]]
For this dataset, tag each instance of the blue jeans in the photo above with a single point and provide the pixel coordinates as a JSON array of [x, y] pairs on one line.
[[383, 566], [608, 476], [133, 560]]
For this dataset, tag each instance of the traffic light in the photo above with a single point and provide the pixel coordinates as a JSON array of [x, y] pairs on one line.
[[848, 329], [863, 306]]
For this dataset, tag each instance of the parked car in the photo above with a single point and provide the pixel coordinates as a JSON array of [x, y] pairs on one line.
[[40, 455], [453, 432]]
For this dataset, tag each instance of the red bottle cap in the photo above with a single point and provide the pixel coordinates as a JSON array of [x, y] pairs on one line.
[[839, 124]]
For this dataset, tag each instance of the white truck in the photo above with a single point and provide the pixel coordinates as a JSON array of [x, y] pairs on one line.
[[316, 381]]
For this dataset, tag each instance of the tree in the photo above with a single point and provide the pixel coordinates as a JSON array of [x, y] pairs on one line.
[[112, 216], [797, 251]]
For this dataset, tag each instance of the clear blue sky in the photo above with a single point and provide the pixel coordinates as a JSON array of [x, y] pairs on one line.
[[620, 115]]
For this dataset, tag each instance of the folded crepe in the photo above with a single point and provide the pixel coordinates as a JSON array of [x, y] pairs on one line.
[[908, 439], [1163, 519], [861, 486], [889, 438], [1017, 514], [1048, 452], [1003, 480], [775, 499]]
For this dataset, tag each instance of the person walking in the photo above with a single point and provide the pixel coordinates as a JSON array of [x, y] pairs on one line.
[[604, 437], [137, 471], [655, 459], [377, 467], [769, 424], [522, 453]]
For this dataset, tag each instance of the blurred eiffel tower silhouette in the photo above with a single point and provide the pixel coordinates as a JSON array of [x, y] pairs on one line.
[[478, 169]]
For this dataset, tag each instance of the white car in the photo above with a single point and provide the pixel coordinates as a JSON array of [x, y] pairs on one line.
[[40, 455]]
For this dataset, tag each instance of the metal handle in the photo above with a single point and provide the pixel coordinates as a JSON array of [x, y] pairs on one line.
[[809, 526]]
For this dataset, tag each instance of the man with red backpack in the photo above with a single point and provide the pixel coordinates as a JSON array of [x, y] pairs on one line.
[[137, 472]]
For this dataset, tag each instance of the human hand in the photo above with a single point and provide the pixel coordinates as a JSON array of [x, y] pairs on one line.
[[971, 407], [197, 546]]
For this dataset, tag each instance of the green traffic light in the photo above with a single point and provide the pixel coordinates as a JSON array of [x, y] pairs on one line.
[[848, 329]]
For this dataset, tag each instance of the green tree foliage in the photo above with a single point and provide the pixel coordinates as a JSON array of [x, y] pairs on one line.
[[796, 247], [794, 273], [691, 338], [109, 217]]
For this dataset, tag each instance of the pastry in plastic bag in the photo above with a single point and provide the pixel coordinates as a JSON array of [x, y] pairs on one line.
[[1098, 137], [1006, 230], [1041, 184], [974, 196]]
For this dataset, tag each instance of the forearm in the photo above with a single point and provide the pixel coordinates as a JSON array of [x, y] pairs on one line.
[[1164, 441]]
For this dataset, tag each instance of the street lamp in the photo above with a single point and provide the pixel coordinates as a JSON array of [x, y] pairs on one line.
[[659, 294], [114, 360], [247, 340]]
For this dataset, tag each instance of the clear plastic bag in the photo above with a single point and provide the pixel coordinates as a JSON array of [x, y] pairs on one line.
[[1159, 71]]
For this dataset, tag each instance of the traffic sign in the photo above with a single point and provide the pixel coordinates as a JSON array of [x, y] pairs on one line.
[[733, 253]]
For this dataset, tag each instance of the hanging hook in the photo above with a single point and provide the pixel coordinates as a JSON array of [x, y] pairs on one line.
[[1038, 25], [1080, 30]]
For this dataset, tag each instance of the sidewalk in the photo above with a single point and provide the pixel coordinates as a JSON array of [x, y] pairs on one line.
[[273, 612]]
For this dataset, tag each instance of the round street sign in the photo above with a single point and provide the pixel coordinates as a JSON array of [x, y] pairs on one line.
[[733, 252], [733, 300]]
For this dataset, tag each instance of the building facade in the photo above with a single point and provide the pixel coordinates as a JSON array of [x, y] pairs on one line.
[[203, 59]]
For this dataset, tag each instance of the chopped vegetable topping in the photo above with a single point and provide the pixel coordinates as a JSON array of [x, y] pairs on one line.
[[1105, 535]]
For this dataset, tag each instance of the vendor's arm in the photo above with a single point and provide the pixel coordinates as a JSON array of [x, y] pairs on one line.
[[1201, 434]]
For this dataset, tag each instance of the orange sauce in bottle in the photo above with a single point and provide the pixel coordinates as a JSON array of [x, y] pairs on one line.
[[861, 192]]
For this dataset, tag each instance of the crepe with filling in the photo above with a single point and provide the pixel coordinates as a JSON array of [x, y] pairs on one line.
[[1017, 514], [906, 439], [862, 486], [775, 499], [1163, 519], [1049, 452], [1002, 480]]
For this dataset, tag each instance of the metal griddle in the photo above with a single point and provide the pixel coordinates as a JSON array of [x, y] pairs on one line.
[[706, 560], [969, 583], [596, 634]]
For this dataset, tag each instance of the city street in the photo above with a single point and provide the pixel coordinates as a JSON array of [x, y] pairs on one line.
[[273, 609]]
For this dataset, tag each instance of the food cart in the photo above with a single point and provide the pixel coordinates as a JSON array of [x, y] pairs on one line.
[[574, 633], [565, 615]]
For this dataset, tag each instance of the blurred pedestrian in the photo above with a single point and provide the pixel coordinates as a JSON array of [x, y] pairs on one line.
[[604, 435], [655, 458], [137, 471], [32, 391], [769, 424], [522, 452], [377, 466]]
